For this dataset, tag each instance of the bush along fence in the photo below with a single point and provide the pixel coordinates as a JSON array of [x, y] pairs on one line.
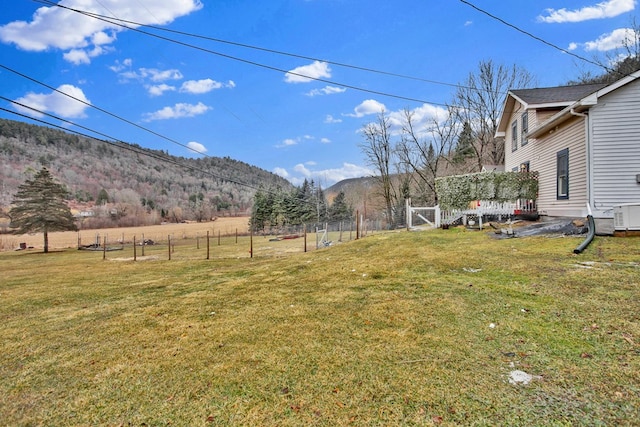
[[211, 245], [471, 197]]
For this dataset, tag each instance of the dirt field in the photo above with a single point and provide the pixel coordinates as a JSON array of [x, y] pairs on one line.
[[69, 239]]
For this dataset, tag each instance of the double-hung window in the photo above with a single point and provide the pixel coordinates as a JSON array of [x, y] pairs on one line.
[[514, 135], [524, 128], [562, 187]]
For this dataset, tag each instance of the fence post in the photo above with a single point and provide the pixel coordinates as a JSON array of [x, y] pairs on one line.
[[134, 248], [142, 244], [251, 243], [218, 237], [236, 236], [207, 244], [169, 245], [357, 225], [104, 249], [197, 240]]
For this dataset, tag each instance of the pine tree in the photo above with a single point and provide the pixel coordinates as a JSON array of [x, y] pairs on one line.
[[464, 148], [39, 206], [340, 210]]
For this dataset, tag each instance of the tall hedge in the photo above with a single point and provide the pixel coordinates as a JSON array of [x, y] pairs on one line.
[[455, 192]]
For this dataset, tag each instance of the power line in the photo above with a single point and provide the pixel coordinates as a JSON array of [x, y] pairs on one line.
[[102, 110], [259, 48], [115, 21], [541, 40], [116, 143]]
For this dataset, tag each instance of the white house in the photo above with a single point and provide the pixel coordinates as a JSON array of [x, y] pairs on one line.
[[584, 142]]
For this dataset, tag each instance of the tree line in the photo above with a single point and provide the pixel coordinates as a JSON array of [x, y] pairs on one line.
[[277, 207]]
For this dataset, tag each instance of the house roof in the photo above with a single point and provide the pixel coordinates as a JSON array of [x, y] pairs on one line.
[[581, 104], [560, 95], [544, 97]]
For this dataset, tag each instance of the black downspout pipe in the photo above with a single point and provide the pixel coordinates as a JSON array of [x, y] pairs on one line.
[[589, 238]]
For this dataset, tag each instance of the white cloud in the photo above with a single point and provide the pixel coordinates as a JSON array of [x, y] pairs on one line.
[[197, 147], [56, 103], [331, 119], [307, 73], [295, 141], [366, 108], [325, 140], [157, 90], [281, 172], [468, 23], [615, 39], [59, 28], [204, 86], [423, 116], [288, 142], [324, 176], [119, 66], [177, 111], [327, 90], [152, 74], [605, 9]]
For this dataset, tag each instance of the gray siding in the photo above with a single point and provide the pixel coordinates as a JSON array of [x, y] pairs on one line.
[[569, 135], [615, 149]]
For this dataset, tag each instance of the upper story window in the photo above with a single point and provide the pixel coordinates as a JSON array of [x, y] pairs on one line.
[[514, 136], [524, 128], [562, 187]]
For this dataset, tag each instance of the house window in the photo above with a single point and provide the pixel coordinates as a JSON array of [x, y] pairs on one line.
[[525, 128], [562, 189], [514, 136]]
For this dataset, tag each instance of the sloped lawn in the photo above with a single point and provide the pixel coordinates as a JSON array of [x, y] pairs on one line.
[[428, 328]]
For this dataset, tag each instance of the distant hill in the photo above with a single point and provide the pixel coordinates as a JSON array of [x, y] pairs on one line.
[[132, 181]]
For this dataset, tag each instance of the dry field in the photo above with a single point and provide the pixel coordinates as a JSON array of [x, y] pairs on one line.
[[226, 226]]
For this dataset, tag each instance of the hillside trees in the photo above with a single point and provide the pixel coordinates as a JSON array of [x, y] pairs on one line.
[[98, 172], [40, 206]]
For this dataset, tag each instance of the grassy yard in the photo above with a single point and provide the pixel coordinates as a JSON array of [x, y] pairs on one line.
[[401, 328]]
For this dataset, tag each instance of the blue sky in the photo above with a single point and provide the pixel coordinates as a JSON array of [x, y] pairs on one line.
[[227, 98]]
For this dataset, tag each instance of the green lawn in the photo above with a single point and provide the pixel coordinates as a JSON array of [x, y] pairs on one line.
[[392, 329]]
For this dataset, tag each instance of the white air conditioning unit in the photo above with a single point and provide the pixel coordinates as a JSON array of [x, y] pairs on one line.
[[626, 217]]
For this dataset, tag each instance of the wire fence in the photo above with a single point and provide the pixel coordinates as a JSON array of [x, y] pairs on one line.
[[269, 243]]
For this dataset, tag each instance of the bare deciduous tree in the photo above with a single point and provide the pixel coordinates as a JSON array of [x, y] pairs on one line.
[[424, 149], [480, 99], [378, 149]]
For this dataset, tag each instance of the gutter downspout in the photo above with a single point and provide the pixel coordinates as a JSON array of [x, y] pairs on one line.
[[590, 235]]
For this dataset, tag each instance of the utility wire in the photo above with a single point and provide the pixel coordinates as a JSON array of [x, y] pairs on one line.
[[102, 110], [115, 142], [541, 40], [246, 61], [259, 48]]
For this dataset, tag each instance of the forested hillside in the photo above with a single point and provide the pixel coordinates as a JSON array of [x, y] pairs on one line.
[[125, 183]]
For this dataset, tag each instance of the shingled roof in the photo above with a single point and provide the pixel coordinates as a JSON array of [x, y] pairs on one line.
[[556, 95]]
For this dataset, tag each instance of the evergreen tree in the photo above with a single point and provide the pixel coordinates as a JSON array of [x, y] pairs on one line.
[[464, 148], [261, 211], [340, 210], [39, 206]]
